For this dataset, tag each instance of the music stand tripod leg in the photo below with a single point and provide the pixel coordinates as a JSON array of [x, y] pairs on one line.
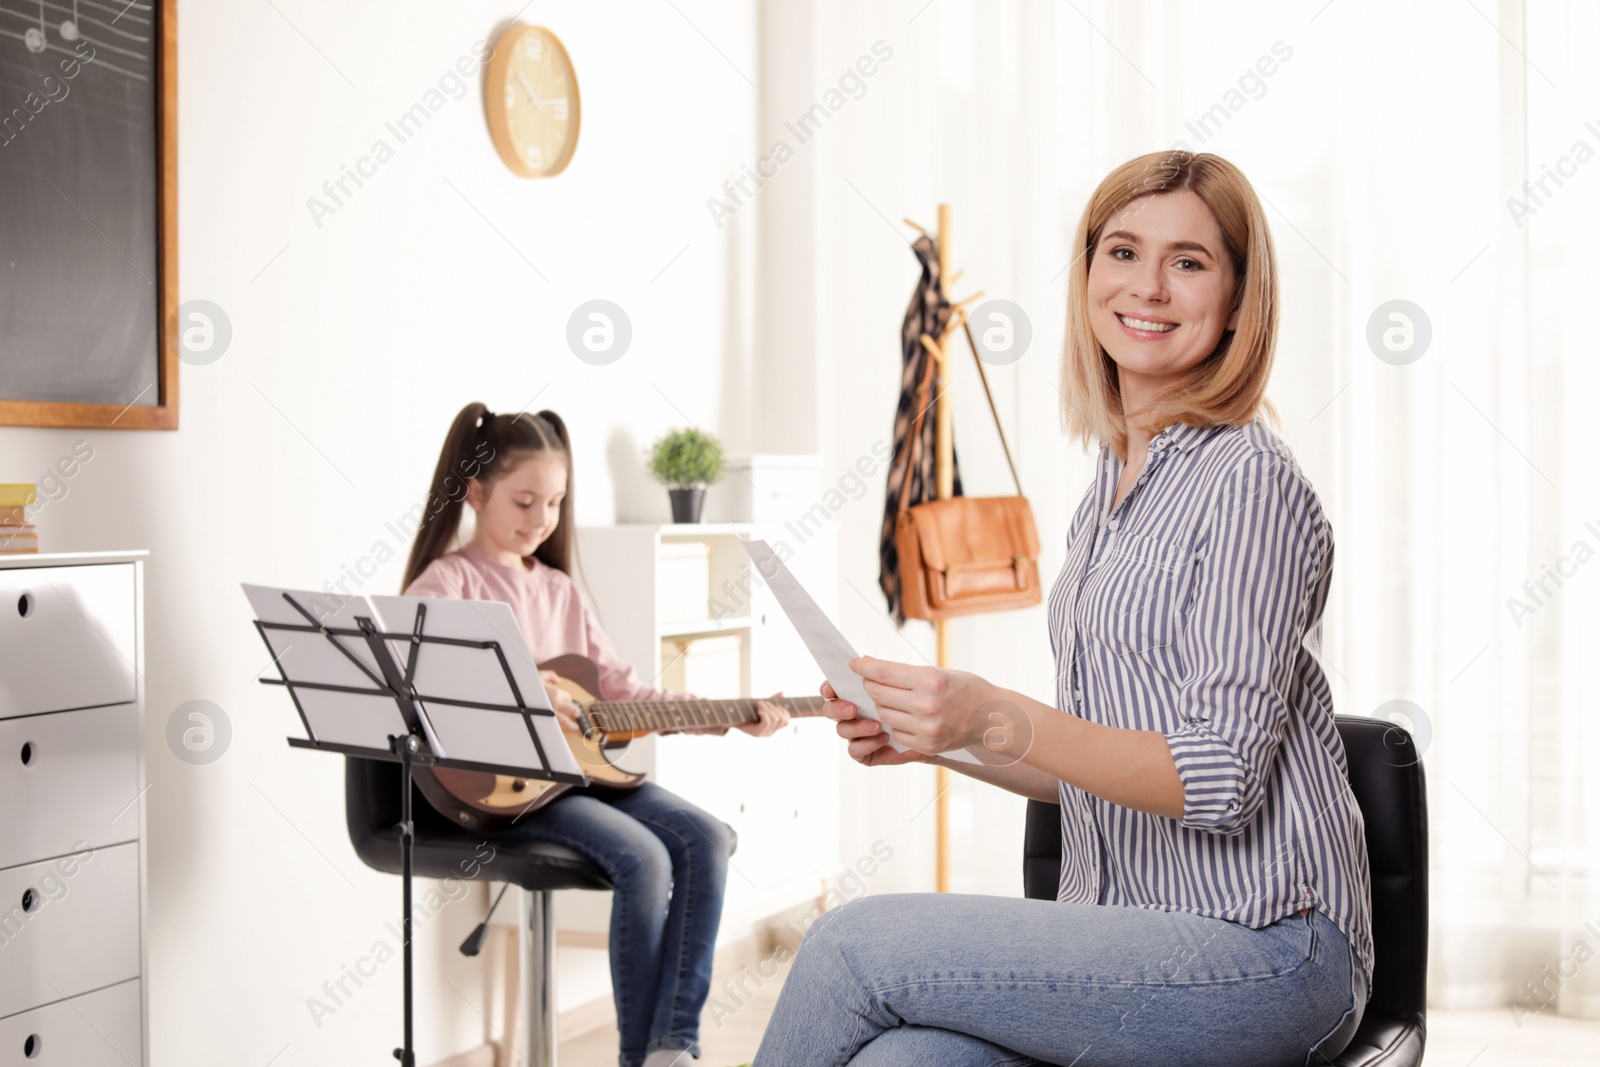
[[405, 747]]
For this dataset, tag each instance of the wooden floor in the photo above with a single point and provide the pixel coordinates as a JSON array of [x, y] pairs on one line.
[[1455, 1038], [1493, 1039], [725, 1040]]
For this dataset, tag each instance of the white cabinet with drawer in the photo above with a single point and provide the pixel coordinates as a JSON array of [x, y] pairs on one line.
[[99, 1029], [68, 926], [44, 612], [72, 857], [79, 767]]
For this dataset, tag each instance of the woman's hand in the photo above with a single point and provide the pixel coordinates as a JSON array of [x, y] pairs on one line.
[[561, 701], [869, 743], [933, 709], [772, 717]]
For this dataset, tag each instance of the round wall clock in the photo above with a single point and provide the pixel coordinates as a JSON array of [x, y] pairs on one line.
[[531, 97]]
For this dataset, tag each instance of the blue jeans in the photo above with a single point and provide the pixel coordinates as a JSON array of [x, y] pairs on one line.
[[668, 862], [963, 981]]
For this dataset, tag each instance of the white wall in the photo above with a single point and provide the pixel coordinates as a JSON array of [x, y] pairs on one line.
[[354, 345]]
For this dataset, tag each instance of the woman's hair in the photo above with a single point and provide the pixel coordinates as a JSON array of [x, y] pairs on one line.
[[1229, 385], [485, 446]]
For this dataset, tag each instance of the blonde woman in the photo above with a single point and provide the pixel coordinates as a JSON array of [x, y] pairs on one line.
[[1214, 905]]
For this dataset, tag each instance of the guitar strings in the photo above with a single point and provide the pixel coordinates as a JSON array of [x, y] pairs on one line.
[[616, 717]]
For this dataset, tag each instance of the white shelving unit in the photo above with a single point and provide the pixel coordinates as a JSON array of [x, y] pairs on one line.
[[780, 793]]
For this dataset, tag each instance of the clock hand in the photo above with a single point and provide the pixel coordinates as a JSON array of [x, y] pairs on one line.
[[532, 96]]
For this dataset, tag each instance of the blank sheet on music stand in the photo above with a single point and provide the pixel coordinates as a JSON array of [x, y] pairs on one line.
[[365, 720], [474, 674]]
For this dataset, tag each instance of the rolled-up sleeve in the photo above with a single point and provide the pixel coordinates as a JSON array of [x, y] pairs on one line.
[[1264, 551]]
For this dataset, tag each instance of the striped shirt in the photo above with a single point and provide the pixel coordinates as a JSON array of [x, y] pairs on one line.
[[1195, 609]]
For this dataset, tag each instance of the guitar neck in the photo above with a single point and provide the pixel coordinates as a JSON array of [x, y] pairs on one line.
[[648, 716]]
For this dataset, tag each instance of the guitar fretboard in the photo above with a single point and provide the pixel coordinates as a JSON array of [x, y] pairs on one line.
[[648, 716]]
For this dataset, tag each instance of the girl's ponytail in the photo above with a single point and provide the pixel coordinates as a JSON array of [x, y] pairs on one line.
[[483, 445], [447, 492]]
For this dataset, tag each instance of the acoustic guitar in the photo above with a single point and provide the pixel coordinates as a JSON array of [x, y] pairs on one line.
[[483, 801]]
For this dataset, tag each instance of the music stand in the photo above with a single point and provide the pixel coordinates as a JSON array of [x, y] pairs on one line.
[[354, 688]]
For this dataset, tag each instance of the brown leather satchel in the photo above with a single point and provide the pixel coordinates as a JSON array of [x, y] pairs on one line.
[[966, 554]]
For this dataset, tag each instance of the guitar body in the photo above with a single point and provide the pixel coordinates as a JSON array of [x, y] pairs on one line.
[[484, 801]]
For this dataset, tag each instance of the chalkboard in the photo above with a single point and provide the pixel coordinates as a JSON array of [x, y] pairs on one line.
[[84, 136]]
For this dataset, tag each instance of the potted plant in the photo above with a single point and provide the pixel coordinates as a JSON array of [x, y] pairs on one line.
[[686, 461]]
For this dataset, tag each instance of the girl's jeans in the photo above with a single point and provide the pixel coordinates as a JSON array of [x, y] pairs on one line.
[[668, 862], [930, 980]]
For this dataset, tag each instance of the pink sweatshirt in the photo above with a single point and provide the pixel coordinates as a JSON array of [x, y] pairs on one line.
[[554, 618]]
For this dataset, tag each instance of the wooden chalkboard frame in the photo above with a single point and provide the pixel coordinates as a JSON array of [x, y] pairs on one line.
[[162, 415]]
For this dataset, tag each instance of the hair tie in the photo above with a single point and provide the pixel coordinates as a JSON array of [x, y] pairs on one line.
[[484, 420]]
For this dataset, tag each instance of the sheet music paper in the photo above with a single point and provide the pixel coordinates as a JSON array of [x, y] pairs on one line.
[[822, 638], [462, 673], [365, 720]]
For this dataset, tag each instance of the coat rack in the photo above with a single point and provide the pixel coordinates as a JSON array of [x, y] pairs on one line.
[[944, 480]]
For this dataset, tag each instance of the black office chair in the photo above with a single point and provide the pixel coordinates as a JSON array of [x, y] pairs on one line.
[[444, 850], [1386, 778]]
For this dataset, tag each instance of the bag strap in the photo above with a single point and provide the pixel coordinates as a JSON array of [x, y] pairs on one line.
[[922, 410], [966, 328]]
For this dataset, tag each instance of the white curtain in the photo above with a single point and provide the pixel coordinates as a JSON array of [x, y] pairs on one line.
[[1390, 142]]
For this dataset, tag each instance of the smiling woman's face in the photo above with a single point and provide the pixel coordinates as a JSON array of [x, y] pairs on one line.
[[1161, 287]]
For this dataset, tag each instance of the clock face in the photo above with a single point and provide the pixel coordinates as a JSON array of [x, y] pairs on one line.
[[532, 102]]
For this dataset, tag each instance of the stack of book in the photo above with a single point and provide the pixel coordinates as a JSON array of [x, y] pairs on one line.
[[17, 534]]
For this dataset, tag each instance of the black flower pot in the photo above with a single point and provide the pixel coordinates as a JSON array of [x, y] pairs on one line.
[[687, 503]]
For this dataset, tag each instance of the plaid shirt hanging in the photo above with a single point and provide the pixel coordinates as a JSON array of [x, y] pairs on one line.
[[928, 313]]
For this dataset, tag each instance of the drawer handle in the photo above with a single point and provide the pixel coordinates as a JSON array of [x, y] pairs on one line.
[[32, 1045], [24, 605], [30, 901], [27, 753]]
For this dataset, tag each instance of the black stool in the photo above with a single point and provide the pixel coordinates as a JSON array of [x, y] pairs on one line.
[[1386, 778], [444, 850]]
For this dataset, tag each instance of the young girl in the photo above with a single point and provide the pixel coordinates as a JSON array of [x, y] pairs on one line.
[[666, 859]]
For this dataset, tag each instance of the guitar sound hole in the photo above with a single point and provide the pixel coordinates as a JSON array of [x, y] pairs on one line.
[[518, 785]]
